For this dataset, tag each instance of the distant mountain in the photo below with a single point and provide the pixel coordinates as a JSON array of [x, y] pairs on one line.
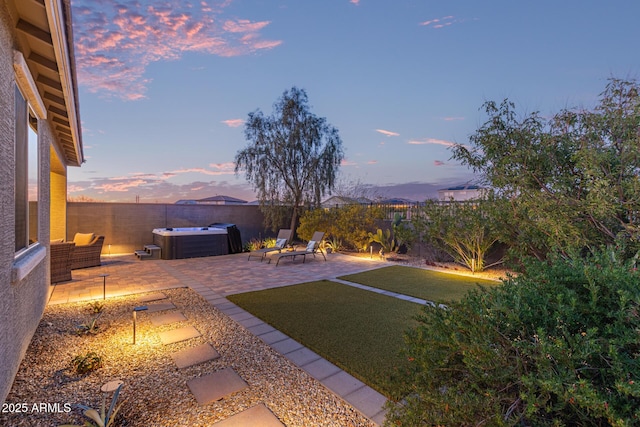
[[417, 191]]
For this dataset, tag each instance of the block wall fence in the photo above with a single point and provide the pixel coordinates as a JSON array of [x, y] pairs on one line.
[[129, 226]]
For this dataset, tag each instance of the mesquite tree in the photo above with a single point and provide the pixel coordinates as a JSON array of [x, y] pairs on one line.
[[292, 158]]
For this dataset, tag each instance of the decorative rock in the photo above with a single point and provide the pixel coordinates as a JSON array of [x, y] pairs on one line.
[[111, 386]]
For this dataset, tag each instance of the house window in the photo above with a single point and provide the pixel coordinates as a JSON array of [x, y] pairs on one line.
[[26, 173], [33, 173]]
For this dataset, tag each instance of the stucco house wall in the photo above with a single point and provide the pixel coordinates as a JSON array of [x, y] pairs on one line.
[[22, 300], [24, 272]]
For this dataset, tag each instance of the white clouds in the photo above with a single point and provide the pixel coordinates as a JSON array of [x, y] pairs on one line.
[[426, 141], [438, 23]]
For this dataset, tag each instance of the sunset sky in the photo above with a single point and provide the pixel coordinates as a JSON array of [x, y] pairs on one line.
[[165, 86]]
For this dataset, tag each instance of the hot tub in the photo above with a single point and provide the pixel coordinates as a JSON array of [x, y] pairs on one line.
[[191, 242]]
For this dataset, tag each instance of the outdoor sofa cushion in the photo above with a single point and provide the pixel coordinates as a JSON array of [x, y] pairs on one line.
[[83, 239]]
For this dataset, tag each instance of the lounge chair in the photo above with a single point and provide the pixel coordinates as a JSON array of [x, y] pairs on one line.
[[313, 247], [87, 250], [284, 235]]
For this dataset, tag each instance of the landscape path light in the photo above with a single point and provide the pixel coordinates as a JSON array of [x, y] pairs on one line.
[[135, 310], [104, 286]]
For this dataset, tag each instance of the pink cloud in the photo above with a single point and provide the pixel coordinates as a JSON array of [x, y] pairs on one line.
[[116, 42], [244, 26], [426, 141], [372, 162], [387, 132], [452, 119], [438, 163], [346, 162], [228, 167], [73, 188], [356, 2], [204, 171], [233, 123], [121, 186]]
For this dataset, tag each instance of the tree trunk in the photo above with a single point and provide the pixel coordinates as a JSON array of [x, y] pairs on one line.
[[294, 220]]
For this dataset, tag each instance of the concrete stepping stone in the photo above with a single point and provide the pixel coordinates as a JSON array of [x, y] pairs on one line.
[[165, 319], [216, 386], [153, 297], [177, 335], [153, 308], [256, 416], [194, 355]]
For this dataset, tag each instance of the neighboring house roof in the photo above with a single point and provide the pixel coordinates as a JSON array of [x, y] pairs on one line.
[[462, 187], [397, 201], [341, 201], [185, 202], [45, 34], [221, 199]]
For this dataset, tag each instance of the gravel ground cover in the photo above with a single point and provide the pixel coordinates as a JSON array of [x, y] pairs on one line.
[[155, 392]]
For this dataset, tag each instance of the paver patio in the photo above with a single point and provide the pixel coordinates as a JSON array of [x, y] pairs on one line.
[[216, 277]]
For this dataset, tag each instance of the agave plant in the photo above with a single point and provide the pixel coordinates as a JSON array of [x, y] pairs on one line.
[[90, 327], [104, 418], [334, 243]]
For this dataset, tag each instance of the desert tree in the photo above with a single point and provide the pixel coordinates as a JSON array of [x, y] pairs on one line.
[[292, 158], [569, 181]]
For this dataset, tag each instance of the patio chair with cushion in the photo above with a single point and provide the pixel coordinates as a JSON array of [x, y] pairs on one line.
[[87, 250], [284, 235], [313, 247], [60, 254]]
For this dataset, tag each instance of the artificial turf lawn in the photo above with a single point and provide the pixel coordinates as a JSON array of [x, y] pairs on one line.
[[359, 331], [420, 283]]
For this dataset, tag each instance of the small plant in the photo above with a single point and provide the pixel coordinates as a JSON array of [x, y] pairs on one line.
[[90, 327], [385, 240], [96, 307], [253, 245], [104, 418], [269, 242], [83, 364], [334, 244]]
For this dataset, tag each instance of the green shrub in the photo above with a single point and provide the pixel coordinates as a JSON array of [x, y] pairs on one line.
[[269, 242], [84, 363], [350, 223], [556, 346], [253, 245]]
